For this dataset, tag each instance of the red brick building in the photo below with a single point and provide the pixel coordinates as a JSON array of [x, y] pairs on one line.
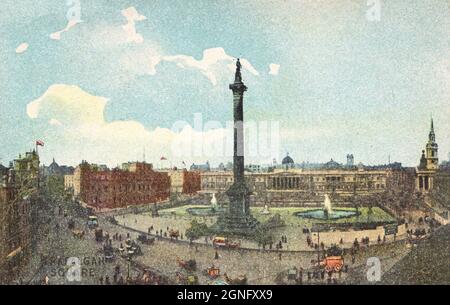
[[133, 184], [191, 182]]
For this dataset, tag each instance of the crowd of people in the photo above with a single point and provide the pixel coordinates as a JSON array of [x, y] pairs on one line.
[[146, 277]]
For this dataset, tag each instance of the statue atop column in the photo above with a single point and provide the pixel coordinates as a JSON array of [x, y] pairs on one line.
[[238, 220]]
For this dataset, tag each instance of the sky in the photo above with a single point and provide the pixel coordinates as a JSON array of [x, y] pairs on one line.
[[116, 81]]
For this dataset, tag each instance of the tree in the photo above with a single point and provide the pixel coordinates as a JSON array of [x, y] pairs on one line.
[[263, 236], [197, 230]]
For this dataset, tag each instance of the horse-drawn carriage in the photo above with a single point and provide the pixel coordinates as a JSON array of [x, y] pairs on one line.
[[240, 280], [143, 238], [98, 235], [332, 263], [131, 248], [189, 265], [112, 220], [174, 233], [188, 279], [212, 272], [78, 233], [92, 222], [225, 243], [108, 252]]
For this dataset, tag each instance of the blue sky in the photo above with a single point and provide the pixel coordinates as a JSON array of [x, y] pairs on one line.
[[107, 92]]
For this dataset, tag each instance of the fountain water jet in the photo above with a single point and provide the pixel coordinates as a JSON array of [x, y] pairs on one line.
[[327, 212], [213, 201], [327, 205]]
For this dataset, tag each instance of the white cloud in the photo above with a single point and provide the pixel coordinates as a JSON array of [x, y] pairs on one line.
[[142, 61], [68, 105], [70, 24], [211, 65], [132, 16], [22, 48], [54, 122], [76, 130], [274, 69]]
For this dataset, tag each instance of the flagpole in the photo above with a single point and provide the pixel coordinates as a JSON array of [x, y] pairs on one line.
[[38, 170]]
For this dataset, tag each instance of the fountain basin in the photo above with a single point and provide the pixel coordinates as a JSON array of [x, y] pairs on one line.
[[321, 214], [206, 211]]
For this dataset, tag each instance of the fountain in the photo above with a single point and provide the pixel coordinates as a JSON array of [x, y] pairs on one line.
[[265, 211], [212, 210], [326, 213]]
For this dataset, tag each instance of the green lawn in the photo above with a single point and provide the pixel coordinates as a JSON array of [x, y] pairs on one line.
[[287, 214]]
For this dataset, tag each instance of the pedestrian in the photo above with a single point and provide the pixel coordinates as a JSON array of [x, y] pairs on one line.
[[101, 280], [121, 281], [107, 282], [279, 256], [216, 256]]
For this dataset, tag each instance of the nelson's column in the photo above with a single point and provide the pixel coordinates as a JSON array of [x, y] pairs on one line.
[[238, 220]]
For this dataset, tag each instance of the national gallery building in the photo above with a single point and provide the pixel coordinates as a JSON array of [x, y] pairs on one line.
[[290, 185]]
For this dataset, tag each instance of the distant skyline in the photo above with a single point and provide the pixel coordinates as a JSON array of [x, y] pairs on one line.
[[111, 84]]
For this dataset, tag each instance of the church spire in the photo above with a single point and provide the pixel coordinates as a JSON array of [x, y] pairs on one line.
[[431, 135]]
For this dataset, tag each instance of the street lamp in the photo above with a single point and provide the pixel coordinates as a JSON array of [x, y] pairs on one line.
[[130, 252], [129, 265], [318, 246]]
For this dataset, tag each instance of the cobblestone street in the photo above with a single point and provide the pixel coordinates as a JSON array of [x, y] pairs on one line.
[[260, 267]]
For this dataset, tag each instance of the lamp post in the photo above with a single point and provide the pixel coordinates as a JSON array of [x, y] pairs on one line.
[[318, 247], [129, 267], [129, 257]]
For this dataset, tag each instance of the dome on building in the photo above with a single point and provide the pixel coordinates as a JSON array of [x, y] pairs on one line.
[[332, 164], [287, 160]]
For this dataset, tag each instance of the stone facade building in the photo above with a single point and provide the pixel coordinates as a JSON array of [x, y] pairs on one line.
[[135, 183], [18, 190], [183, 181], [54, 169], [292, 186], [68, 182]]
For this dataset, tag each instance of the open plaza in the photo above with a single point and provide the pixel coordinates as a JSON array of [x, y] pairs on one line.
[[294, 229]]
